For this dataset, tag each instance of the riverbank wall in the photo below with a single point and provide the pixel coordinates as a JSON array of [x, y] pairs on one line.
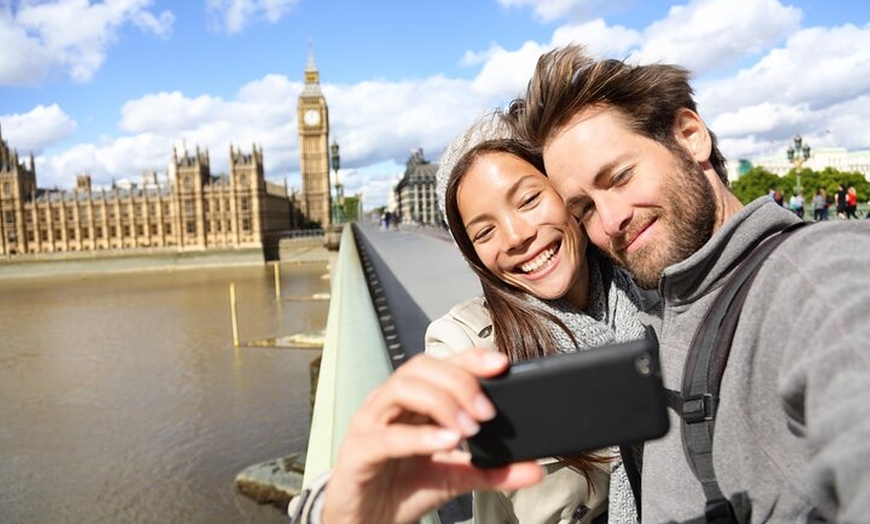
[[295, 250]]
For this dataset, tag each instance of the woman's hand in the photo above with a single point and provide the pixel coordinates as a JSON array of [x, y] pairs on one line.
[[399, 459]]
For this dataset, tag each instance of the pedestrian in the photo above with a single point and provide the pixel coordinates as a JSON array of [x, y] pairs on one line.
[[851, 203], [778, 198], [841, 202], [820, 205], [796, 204]]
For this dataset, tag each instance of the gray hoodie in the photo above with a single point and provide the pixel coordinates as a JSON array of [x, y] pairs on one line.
[[793, 427]]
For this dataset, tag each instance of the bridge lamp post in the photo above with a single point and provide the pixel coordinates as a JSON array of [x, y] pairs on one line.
[[798, 153], [336, 162]]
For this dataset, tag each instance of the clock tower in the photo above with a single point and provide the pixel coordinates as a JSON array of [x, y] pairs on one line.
[[313, 119]]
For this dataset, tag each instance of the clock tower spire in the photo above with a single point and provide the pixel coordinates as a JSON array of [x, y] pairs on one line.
[[312, 117]]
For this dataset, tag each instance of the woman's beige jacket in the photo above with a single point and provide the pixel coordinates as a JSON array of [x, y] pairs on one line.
[[563, 497]]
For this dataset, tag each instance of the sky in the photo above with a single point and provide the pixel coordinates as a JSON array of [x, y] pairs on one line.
[[110, 87]]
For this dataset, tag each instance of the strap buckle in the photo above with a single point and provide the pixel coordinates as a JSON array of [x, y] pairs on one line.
[[699, 408]]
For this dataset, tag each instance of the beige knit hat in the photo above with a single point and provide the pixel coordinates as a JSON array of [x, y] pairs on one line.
[[490, 126]]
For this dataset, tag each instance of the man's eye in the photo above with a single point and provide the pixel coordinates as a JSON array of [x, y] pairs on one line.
[[622, 177], [581, 211], [530, 199]]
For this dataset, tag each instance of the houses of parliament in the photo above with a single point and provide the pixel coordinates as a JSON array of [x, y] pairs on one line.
[[193, 210]]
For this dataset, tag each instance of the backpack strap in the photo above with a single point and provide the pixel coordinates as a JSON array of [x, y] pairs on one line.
[[702, 378]]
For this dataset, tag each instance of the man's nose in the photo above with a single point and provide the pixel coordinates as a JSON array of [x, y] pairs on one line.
[[614, 214]]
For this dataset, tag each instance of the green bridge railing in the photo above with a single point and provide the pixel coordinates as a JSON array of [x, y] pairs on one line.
[[354, 361]]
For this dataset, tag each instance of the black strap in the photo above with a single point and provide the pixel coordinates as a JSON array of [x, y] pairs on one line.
[[632, 472], [702, 377]]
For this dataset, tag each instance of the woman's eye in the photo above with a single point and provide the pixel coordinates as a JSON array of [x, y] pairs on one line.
[[482, 234]]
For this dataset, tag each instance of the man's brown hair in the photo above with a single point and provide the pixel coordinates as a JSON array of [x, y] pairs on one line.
[[567, 80]]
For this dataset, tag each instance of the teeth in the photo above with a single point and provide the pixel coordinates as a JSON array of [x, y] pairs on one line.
[[539, 261]]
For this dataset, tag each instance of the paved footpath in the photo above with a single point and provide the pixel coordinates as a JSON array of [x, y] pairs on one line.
[[427, 263]]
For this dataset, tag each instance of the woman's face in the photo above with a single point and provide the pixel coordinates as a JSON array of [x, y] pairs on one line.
[[519, 226]]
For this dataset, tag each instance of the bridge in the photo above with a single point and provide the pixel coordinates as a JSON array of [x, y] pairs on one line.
[[387, 286]]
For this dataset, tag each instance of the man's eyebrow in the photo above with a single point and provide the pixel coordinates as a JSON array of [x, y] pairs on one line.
[[604, 171], [598, 181]]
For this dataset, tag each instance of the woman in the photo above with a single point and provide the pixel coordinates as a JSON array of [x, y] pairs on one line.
[[544, 291]]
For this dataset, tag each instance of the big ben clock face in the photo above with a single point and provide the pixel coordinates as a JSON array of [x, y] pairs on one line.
[[311, 117]]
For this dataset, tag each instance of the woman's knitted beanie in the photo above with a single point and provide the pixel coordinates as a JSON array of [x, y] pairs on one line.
[[490, 126]]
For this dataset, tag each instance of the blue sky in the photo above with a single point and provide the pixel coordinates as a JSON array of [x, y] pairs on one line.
[[109, 87]]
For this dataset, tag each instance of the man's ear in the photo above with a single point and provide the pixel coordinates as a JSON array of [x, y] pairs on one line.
[[693, 135]]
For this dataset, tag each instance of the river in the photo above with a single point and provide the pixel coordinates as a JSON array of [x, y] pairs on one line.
[[122, 399]]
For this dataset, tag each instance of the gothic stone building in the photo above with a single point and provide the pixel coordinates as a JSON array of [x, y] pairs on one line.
[[195, 211], [415, 192]]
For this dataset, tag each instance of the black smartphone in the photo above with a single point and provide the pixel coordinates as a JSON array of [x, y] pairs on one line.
[[569, 403]]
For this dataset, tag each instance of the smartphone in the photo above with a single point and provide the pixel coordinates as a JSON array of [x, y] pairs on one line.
[[569, 403]]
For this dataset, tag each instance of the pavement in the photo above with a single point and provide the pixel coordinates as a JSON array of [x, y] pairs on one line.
[[427, 263]]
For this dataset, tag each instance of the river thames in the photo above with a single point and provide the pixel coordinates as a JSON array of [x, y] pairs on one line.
[[123, 400]]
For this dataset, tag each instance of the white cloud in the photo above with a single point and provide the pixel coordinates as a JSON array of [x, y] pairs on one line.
[[37, 129], [813, 86], [69, 36], [815, 82], [124, 157], [552, 10], [599, 38], [233, 16], [716, 35], [376, 123]]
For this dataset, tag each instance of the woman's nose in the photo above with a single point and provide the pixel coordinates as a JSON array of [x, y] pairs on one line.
[[518, 233]]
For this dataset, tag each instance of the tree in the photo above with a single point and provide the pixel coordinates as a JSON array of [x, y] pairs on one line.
[[755, 183], [758, 181]]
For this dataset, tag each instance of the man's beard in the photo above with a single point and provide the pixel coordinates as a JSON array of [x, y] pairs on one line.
[[685, 222]]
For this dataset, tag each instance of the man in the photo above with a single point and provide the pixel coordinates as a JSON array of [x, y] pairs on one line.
[[627, 150], [840, 201]]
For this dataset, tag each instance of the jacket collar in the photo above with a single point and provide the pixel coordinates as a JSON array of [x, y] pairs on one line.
[[707, 269]]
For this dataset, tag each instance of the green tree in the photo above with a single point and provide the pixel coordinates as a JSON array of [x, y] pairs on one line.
[[755, 183], [351, 208]]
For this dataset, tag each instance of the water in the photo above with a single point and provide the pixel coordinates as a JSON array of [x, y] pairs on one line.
[[123, 400]]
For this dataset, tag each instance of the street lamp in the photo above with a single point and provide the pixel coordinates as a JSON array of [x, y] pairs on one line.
[[336, 162], [797, 154]]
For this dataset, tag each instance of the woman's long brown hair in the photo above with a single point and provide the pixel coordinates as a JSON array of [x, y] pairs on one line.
[[519, 329]]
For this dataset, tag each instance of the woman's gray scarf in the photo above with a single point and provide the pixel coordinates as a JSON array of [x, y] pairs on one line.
[[611, 316], [611, 313]]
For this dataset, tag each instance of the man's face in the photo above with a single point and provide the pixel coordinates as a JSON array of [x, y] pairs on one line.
[[644, 205]]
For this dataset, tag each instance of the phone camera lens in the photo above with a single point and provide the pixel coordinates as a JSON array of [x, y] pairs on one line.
[[643, 364]]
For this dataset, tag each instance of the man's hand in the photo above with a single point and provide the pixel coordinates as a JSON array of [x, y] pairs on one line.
[[399, 459]]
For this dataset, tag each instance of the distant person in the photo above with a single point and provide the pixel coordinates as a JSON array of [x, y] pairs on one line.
[[851, 203], [820, 205], [796, 204], [778, 198], [841, 202]]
